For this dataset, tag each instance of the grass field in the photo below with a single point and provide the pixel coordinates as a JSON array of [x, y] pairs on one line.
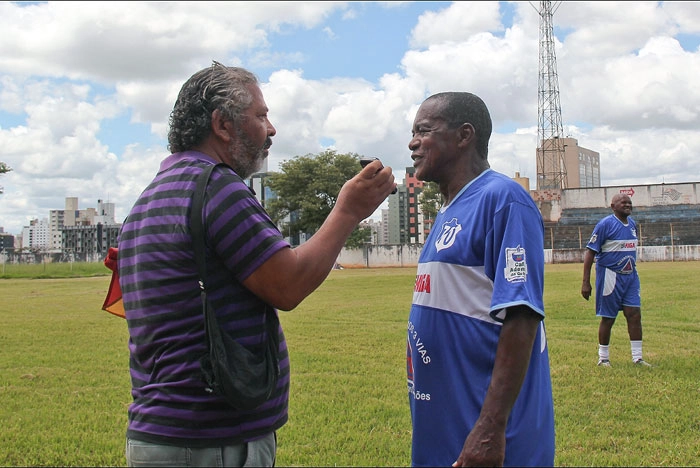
[[64, 383], [52, 270]]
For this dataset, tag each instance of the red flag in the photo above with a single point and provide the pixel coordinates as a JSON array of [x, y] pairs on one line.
[[113, 302]]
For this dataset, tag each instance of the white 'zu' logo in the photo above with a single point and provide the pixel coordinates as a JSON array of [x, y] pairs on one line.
[[448, 235]]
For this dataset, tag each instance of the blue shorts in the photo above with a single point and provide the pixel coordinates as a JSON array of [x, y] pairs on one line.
[[615, 291]]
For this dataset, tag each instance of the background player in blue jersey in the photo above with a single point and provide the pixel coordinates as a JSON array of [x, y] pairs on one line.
[[477, 360], [613, 246], [220, 117]]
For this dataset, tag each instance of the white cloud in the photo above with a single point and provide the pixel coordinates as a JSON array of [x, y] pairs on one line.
[[68, 68], [685, 14], [150, 101], [502, 71], [456, 23], [607, 29], [113, 41], [653, 88]]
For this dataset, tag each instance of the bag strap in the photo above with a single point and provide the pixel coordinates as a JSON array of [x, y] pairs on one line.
[[196, 224], [271, 320]]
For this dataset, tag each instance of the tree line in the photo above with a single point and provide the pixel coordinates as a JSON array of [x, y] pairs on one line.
[[307, 189]]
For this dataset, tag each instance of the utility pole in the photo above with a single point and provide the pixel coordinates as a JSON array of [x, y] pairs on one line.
[[551, 169]]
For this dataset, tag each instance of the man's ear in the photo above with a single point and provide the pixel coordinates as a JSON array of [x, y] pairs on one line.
[[221, 128], [467, 134]]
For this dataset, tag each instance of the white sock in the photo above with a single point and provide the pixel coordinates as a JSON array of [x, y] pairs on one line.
[[604, 352], [636, 350]]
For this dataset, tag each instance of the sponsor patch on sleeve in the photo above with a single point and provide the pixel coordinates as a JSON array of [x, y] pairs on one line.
[[516, 266]]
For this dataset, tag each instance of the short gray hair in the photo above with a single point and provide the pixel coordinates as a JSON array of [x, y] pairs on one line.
[[458, 108]]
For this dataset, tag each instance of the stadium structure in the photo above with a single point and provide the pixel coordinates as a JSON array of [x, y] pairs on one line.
[[568, 192]]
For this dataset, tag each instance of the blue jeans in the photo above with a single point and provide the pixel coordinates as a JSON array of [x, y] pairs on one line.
[[260, 452]]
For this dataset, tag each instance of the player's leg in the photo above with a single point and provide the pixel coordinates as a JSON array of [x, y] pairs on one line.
[[634, 322], [608, 304], [634, 328], [632, 309], [604, 332]]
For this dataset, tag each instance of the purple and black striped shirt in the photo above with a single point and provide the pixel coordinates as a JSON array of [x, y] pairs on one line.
[[158, 278]]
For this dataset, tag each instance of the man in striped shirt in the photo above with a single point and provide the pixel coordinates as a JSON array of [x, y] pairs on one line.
[[613, 245], [220, 117]]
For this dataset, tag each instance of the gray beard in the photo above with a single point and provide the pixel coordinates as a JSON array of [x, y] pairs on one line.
[[246, 165], [246, 158]]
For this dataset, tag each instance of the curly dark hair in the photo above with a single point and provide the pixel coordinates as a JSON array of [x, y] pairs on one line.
[[461, 107], [216, 87]]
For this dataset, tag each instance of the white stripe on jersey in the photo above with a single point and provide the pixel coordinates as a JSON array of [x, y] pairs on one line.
[[612, 245], [448, 289]]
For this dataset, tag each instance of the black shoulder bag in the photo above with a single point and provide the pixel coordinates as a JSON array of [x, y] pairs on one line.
[[245, 378]]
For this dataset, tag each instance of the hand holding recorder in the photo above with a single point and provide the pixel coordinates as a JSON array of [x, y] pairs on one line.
[[367, 160]]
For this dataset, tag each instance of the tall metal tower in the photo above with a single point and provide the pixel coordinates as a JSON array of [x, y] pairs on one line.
[[551, 169]]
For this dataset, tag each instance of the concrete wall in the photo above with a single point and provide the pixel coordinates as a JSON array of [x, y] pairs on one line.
[[378, 256], [383, 256], [678, 253], [641, 195], [553, 202]]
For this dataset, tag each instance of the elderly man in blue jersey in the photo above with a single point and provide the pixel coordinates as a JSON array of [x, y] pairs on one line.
[[220, 117], [479, 382], [613, 246]]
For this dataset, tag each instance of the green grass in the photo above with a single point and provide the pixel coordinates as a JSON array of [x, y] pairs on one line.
[[64, 383], [53, 270]]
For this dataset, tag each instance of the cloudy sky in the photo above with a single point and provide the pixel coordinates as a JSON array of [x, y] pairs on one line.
[[86, 88]]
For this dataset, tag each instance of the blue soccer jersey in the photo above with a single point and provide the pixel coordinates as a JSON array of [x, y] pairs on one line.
[[484, 254], [617, 282], [615, 244]]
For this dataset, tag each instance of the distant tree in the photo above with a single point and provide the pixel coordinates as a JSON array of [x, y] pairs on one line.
[[4, 168], [360, 236], [309, 185], [430, 200]]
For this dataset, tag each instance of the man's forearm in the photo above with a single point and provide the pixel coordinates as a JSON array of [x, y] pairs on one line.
[[512, 361], [486, 443], [588, 257]]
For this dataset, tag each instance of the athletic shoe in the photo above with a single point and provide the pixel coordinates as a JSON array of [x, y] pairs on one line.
[[642, 363], [604, 362]]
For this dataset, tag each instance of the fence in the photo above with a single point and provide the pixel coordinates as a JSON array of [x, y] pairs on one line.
[[39, 257], [563, 244], [381, 256], [558, 236]]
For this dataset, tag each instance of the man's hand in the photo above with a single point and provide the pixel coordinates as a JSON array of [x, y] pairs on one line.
[[483, 447], [588, 259], [586, 289], [361, 196]]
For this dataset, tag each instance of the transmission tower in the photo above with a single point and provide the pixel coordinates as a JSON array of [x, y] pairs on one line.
[[551, 169]]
